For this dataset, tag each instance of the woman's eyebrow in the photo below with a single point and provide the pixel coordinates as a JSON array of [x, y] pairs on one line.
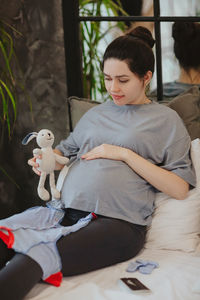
[[118, 76]]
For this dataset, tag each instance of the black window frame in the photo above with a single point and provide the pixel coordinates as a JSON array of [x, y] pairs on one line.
[[73, 61]]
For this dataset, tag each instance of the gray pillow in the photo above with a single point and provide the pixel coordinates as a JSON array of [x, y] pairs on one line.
[[77, 107], [187, 105]]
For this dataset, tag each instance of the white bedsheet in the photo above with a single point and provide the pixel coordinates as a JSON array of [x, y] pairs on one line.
[[177, 278]]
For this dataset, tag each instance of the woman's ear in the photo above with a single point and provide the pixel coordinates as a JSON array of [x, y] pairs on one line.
[[147, 78]]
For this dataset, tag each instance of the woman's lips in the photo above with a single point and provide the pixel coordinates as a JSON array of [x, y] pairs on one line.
[[116, 97]]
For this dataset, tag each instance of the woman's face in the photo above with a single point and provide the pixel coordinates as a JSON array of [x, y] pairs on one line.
[[122, 85]]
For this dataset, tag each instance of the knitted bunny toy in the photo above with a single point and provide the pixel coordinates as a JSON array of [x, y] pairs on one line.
[[47, 163]]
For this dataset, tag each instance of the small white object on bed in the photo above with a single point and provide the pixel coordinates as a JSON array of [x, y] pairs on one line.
[[173, 240]]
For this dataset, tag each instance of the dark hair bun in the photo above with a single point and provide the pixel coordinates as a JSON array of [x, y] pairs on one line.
[[143, 34], [183, 32], [187, 44]]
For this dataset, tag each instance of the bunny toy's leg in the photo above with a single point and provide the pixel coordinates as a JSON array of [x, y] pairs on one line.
[[42, 192], [55, 193]]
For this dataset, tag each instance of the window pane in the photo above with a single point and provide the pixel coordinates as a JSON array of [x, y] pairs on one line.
[[179, 7], [147, 8], [113, 7], [170, 66], [95, 36]]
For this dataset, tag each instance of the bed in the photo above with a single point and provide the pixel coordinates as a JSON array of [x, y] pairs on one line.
[[173, 241], [178, 277]]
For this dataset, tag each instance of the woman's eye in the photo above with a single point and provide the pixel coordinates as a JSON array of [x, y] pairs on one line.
[[123, 81], [120, 80]]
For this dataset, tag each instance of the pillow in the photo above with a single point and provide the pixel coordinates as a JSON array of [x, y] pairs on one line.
[[176, 223], [187, 105], [77, 108]]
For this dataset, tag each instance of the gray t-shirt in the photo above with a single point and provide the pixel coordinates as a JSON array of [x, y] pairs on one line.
[[109, 187]]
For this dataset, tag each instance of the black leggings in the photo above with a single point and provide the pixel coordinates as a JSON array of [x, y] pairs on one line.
[[103, 242]]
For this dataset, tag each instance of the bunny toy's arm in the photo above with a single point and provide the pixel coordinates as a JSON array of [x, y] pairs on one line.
[[61, 159], [37, 151]]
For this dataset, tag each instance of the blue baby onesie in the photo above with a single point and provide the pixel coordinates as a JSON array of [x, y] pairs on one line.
[[35, 233]]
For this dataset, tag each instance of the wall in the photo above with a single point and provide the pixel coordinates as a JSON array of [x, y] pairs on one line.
[[40, 51]]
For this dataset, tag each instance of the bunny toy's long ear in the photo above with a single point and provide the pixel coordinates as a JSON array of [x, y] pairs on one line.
[[29, 137]]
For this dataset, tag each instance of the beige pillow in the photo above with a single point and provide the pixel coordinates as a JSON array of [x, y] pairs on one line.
[[77, 108], [176, 223], [187, 105]]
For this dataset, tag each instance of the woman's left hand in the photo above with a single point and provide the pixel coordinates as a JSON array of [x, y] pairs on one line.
[[105, 151], [163, 180]]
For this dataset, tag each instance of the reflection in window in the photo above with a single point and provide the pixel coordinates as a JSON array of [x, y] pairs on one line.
[[170, 67]]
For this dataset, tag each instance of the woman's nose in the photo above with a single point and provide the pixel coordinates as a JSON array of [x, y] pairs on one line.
[[114, 86]]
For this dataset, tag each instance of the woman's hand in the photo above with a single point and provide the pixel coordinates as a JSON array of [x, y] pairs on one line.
[[35, 165], [32, 162], [163, 180], [106, 151]]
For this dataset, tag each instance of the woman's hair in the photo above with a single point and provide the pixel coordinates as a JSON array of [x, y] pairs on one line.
[[187, 44], [134, 47]]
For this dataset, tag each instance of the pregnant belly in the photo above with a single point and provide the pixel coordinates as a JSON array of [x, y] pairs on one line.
[[90, 177]]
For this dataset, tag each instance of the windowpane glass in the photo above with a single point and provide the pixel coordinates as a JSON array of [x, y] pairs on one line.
[[170, 66], [95, 36], [169, 62], [116, 7], [101, 8], [179, 7]]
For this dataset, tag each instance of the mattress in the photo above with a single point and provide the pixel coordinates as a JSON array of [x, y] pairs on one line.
[[177, 277]]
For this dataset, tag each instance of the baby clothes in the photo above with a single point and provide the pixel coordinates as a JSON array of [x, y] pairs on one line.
[[143, 266], [35, 232]]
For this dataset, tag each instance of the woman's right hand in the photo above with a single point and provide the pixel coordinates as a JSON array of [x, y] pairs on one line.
[[32, 162]]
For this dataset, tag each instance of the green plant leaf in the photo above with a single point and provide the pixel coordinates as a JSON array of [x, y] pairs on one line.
[[9, 83], [10, 97], [10, 26], [9, 177], [6, 58], [8, 40]]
